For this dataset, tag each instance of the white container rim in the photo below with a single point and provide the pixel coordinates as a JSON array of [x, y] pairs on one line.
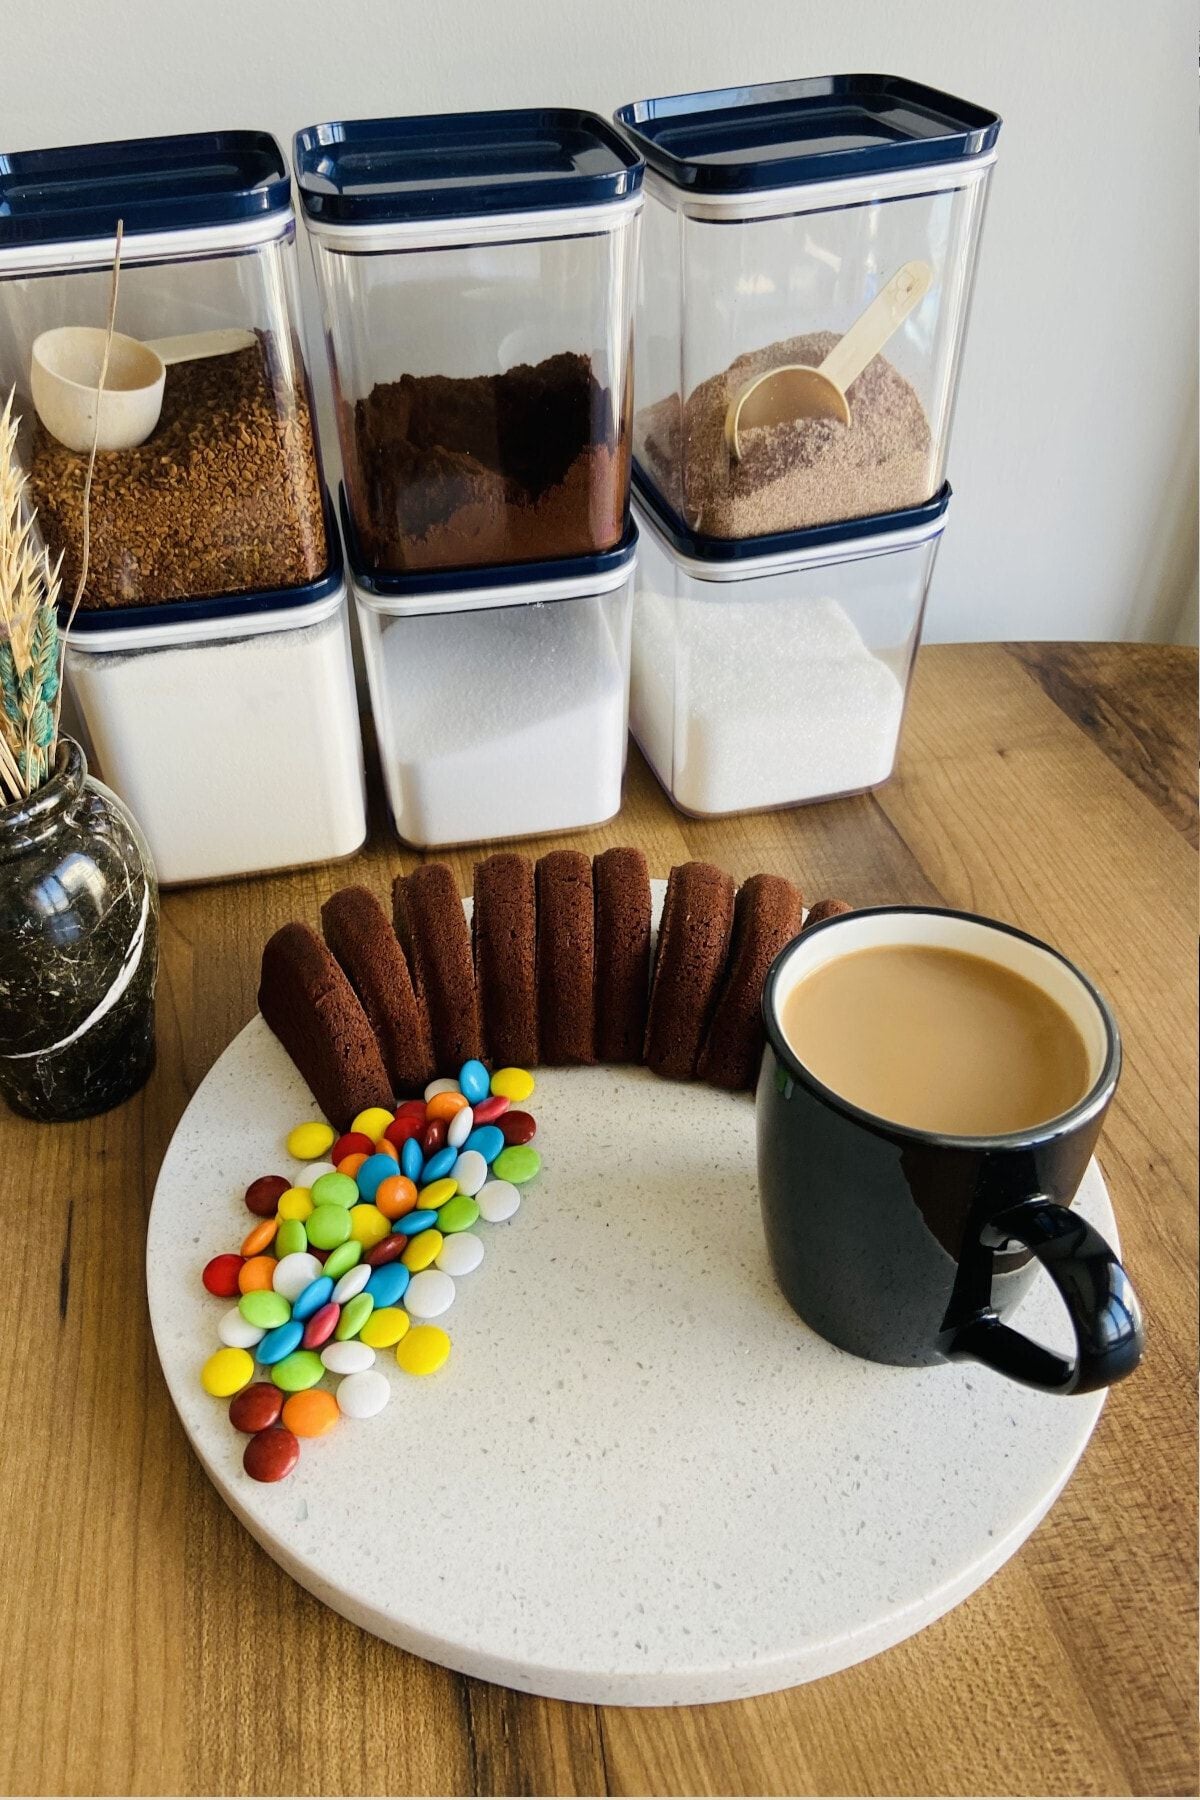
[[478, 228], [748, 568], [498, 598], [820, 196], [181, 632], [55, 254]]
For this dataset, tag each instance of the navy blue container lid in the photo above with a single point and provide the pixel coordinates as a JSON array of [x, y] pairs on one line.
[[456, 165], [153, 184], [782, 133], [697, 546], [491, 575], [93, 622]]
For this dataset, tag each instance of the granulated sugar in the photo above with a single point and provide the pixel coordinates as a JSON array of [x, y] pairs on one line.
[[501, 723], [806, 472], [810, 713]]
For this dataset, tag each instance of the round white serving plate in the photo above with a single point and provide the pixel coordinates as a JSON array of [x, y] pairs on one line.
[[640, 1479]]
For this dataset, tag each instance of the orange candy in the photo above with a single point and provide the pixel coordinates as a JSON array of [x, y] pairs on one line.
[[350, 1165], [310, 1413], [386, 1148], [444, 1106], [260, 1237], [259, 1272], [395, 1196]]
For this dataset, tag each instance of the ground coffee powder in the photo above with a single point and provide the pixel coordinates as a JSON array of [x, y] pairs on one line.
[[452, 472], [224, 496], [809, 472]]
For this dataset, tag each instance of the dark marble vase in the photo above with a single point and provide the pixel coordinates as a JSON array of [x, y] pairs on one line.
[[78, 947]]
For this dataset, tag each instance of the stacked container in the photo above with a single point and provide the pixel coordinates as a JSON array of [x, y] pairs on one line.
[[476, 279], [209, 659], [786, 557]]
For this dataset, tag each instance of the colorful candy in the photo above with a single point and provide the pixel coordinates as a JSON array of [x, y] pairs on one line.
[[430, 1294], [412, 1158], [489, 1110], [469, 1172], [312, 1298], [423, 1350], [302, 1369], [396, 1196], [372, 1172], [518, 1163], [348, 1144], [497, 1201], [518, 1127], [421, 1250], [328, 1227], [459, 1255], [342, 1258], [440, 1164], [220, 1276], [388, 1250], [387, 1285], [335, 1190], [474, 1080], [280, 1343], [307, 1142], [256, 1408], [296, 1203], [238, 1332], [293, 1274], [264, 1309], [310, 1413], [352, 1282], [487, 1140], [363, 1395], [321, 1327], [446, 1106], [355, 1314], [372, 1123], [270, 1455], [257, 1272], [259, 1238], [513, 1084], [262, 1196], [460, 1128], [290, 1238], [385, 1327], [419, 1219], [368, 1226], [347, 1358], [226, 1371], [458, 1214]]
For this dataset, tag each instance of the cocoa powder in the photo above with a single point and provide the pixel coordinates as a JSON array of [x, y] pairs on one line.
[[451, 472]]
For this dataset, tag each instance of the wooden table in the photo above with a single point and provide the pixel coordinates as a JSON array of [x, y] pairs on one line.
[[149, 1646]]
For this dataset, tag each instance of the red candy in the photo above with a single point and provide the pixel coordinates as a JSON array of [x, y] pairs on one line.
[[489, 1110], [387, 1251], [221, 1275], [403, 1127], [321, 1326], [518, 1127], [272, 1454], [262, 1196], [351, 1143], [256, 1408], [411, 1109], [433, 1136]]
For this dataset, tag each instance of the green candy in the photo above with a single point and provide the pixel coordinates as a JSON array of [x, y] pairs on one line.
[[341, 1259], [302, 1369], [327, 1226], [355, 1314], [517, 1163], [291, 1238], [265, 1308], [335, 1190], [458, 1214]]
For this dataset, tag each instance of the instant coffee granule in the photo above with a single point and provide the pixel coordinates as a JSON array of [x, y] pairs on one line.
[[805, 472], [449, 472], [224, 496]]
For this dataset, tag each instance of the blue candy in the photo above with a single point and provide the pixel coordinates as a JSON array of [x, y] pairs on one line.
[[440, 1163], [312, 1298], [387, 1285], [279, 1343], [373, 1171], [412, 1222], [488, 1140], [412, 1159], [474, 1082]]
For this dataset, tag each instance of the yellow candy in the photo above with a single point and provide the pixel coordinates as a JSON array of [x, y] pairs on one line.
[[422, 1249], [308, 1143], [295, 1204], [423, 1349], [384, 1328], [437, 1193], [368, 1225], [373, 1122], [513, 1084], [226, 1372]]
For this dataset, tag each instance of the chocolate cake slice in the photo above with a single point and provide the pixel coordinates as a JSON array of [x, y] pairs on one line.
[[566, 958], [766, 916], [622, 883], [360, 934], [504, 938], [693, 941], [315, 1014], [432, 927], [826, 909]]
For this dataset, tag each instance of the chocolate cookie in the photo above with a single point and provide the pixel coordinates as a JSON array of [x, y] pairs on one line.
[[693, 940], [504, 937], [315, 1014], [622, 884], [360, 934], [431, 925], [766, 916], [566, 958], [826, 909]]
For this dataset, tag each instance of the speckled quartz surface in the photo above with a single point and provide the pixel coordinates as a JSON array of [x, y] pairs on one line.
[[643, 1480]]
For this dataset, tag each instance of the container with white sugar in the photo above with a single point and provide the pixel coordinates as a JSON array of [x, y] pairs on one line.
[[773, 671]]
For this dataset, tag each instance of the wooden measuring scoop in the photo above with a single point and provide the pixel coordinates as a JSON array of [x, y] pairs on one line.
[[796, 391]]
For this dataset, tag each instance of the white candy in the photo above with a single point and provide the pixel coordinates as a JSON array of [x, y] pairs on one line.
[[350, 1358], [313, 1172], [429, 1294], [237, 1332], [362, 1396], [461, 1252], [352, 1282], [470, 1171], [460, 1126], [497, 1201], [293, 1274], [444, 1086]]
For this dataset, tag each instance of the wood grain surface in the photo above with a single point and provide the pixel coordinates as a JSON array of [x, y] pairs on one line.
[[149, 1646]]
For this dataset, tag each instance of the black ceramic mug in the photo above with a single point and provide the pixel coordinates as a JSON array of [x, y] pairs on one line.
[[909, 1247]]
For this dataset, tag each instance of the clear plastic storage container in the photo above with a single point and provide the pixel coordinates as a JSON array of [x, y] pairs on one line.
[[501, 699], [229, 726], [775, 216], [222, 490], [774, 674], [476, 273]]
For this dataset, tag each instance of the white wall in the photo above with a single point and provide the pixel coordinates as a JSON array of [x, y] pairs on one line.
[[1074, 453]]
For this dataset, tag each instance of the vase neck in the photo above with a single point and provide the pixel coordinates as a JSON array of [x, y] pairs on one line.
[[26, 823]]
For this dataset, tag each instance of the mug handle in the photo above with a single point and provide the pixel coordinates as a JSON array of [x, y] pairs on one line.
[[1097, 1292]]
